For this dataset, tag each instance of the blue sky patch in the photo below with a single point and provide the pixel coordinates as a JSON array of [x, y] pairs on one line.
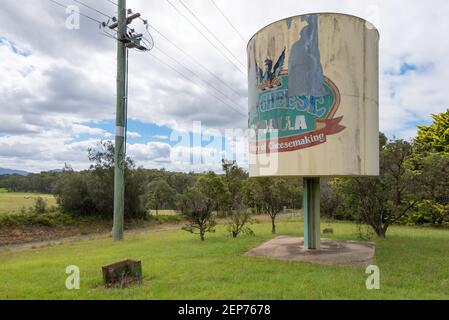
[[12, 46], [406, 68], [149, 132]]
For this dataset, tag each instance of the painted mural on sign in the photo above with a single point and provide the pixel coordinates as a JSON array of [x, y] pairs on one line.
[[289, 93]]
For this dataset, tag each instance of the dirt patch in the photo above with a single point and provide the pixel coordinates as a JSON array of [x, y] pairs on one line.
[[23, 236], [332, 252], [69, 239]]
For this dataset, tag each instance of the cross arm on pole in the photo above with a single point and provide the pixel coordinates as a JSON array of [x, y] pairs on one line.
[[129, 20]]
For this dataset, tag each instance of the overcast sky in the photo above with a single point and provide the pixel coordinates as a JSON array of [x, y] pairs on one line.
[[57, 86]]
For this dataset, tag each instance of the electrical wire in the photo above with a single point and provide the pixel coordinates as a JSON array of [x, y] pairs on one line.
[[150, 43], [229, 21], [159, 60], [93, 9], [182, 50], [190, 80], [205, 37], [195, 60], [112, 2], [149, 33], [81, 14], [197, 76], [213, 34]]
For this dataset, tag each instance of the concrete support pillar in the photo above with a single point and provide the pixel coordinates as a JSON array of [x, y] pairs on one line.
[[312, 230]]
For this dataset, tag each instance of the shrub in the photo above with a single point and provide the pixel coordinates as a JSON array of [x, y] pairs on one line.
[[92, 192], [33, 219], [428, 213], [40, 206], [238, 221], [72, 194], [197, 209]]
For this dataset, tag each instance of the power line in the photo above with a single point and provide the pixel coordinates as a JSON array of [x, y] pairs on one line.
[[190, 80], [102, 24], [196, 75], [196, 17], [206, 84], [205, 37], [195, 60], [81, 14], [229, 21], [93, 9], [188, 55], [112, 2], [213, 35]]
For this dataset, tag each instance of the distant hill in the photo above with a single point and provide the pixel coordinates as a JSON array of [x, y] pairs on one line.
[[4, 171]]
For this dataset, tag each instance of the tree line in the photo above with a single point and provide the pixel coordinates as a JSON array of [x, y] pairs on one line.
[[412, 189]]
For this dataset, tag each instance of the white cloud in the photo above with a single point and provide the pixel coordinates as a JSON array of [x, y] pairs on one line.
[[161, 137], [132, 134], [47, 98]]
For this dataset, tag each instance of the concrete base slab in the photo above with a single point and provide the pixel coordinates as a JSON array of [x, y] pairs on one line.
[[332, 252]]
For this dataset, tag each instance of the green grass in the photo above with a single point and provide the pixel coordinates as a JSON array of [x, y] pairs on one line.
[[13, 202], [413, 262]]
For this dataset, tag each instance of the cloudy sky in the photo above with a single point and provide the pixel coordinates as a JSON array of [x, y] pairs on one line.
[[57, 86]]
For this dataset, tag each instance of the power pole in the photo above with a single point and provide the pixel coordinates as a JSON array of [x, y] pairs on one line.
[[126, 39], [119, 156]]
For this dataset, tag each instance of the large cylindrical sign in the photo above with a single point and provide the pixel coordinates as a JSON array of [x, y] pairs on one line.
[[313, 97]]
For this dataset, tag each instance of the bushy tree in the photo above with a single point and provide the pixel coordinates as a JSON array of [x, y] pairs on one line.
[[272, 194], [432, 175], [239, 221], [383, 201], [434, 138], [294, 194], [331, 201], [72, 194], [40, 206], [198, 203], [237, 215], [234, 177], [92, 192], [252, 195], [213, 187], [159, 194], [197, 209], [428, 212], [180, 182]]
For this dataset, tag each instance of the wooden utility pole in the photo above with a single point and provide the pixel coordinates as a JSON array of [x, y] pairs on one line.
[[125, 41], [119, 157]]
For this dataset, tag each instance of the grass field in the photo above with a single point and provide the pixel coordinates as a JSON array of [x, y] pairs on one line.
[[413, 263], [12, 202]]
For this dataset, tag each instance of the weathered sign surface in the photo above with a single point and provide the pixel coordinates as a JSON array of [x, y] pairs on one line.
[[313, 97]]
